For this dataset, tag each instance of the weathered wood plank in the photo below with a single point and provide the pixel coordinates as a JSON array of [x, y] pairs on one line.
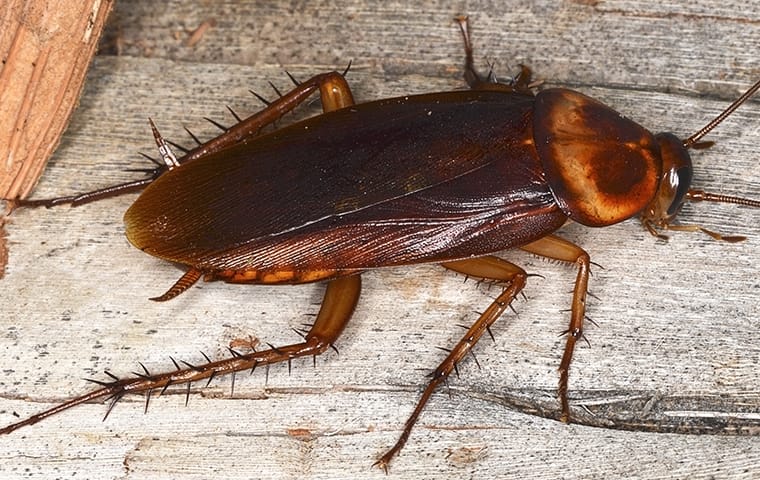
[[677, 321]]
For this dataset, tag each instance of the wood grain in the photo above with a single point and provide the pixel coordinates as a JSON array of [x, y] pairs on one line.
[[46, 48], [676, 331]]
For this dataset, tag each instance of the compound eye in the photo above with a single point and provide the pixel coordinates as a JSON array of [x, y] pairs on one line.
[[681, 180]]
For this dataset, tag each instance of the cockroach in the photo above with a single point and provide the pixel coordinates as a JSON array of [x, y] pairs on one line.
[[448, 178]]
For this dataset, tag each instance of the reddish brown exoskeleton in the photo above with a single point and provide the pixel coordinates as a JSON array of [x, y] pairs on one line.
[[449, 178]]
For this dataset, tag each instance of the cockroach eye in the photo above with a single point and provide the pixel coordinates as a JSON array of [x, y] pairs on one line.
[[681, 179]]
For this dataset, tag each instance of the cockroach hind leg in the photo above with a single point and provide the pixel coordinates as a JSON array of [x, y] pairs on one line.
[[179, 147], [234, 114], [193, 136], [490, 268], [324, 82], [217, 124], [88, 197], [340, 299], [163, 148]]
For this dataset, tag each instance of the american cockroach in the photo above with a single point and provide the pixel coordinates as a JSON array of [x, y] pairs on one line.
[[491, 168]]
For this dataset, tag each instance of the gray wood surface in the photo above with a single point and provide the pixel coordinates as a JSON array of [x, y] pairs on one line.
[[676, 334]]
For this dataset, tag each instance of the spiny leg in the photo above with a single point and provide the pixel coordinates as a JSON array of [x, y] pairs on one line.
[[339, 302], [491, 268], [334, 91], [564, 251], [520, 84]]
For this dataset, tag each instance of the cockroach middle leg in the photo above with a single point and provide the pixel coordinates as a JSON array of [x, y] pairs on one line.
[[337, 307], [490, 268], [559, 249], [519, 84], [334, 92]]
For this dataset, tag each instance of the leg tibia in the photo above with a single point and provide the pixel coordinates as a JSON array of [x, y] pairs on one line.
[[490, 268], [335, 94], [564, 251], [338, 305]]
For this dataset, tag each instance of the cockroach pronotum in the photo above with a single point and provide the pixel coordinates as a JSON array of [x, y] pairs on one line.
[[491, 168]]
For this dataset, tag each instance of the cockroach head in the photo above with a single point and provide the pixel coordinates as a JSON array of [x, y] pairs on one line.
[[677, 172]]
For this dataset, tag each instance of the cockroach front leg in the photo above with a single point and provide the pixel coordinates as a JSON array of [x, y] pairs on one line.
[[334, 93], [337, 307], [559, 249], [513, 279]]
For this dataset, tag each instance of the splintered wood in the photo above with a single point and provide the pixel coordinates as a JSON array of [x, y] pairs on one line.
[[46, 47]]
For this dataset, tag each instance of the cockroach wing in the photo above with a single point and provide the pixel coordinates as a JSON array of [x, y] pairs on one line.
[[311, 173], [602, 167], [501, 205]]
